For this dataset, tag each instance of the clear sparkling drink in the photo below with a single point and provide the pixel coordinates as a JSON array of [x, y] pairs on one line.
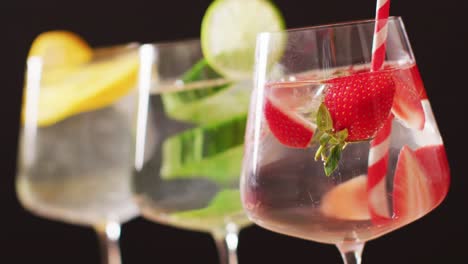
[[378, 183]]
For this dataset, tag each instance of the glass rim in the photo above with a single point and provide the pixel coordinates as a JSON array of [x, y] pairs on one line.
[[168, 43], [330, 25], [135, 45]]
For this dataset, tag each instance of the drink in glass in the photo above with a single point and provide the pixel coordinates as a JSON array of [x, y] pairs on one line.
[[335, 152], [75, 150], [189, 143]]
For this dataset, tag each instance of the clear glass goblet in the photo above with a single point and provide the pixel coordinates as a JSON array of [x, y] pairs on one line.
[[189, 144], [76, 143], [335, 152]]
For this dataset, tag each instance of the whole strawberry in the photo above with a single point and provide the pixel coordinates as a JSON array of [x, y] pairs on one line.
[[354, 108]]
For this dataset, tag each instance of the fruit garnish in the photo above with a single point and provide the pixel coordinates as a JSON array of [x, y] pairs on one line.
[[418, 82], [60, 48], [348, 200], [412, 196], [421, 181], [354, 108], [87, 88], [434, 160], [289, 128], [229, 32], [407, 105], [71, 83]]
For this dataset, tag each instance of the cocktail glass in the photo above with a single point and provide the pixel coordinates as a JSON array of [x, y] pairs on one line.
[[189, 144], [334, 152], [76, 143]]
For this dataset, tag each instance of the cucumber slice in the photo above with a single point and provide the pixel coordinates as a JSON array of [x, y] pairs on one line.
[[225, 203], [213, 152], [221, 101], [199, 72], [223, 168]]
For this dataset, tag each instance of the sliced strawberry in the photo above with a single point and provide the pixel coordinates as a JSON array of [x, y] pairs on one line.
[[347, 201], [434, 160], [418, 83], [293, 95], [412, 192], [421, 182], [407, 105], [289, 128]]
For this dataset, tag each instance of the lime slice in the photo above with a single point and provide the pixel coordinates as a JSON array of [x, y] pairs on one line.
[[88, 87], [225, 203], [229, 31], [212, 152]]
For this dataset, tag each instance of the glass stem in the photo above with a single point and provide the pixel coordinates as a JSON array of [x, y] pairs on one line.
[[108, 236], [351, 252], [226, 242]]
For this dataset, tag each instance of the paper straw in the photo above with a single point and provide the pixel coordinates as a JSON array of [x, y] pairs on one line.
[[380, 34], [379, 150]]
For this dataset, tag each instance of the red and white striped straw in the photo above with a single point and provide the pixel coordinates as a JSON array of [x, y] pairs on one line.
[[376, 172], [380, 145], [380, 34]]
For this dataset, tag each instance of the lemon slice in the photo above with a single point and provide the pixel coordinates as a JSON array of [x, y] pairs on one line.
[[61, 49], [229, 32], [71, 82], [86, 88]]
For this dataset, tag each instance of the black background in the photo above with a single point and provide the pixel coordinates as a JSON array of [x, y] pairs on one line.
[[437, 32]]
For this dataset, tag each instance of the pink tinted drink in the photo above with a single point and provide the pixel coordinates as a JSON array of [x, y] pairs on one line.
[[380, 183]]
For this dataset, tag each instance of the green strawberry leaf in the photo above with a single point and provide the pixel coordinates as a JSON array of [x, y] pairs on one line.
[[324, 119], [333, 159], [342, 135], [331, 143], [324, 139]]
